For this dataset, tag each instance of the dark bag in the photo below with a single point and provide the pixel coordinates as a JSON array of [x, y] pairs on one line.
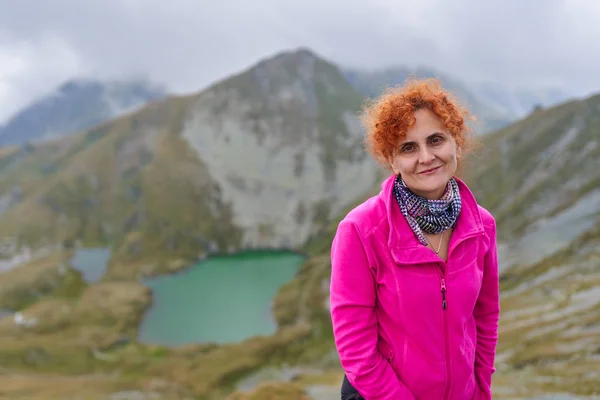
[[348, 391]]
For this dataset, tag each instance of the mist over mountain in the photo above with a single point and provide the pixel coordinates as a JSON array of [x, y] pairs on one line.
[[77, 105], [494, 105]]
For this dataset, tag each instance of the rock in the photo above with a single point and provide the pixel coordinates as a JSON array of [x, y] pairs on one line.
[[135, 395]]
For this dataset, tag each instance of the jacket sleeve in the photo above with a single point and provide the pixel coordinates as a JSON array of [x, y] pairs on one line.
[[352, 301], [487, 313]]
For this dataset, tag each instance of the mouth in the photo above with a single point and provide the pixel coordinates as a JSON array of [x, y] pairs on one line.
[[430, 171]]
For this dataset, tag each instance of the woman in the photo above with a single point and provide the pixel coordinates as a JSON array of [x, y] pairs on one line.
[[414, 283]]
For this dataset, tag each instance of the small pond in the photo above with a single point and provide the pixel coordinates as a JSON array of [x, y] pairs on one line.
[[91, 262]]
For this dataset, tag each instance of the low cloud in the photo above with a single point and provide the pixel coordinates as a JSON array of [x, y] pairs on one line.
[[187, 44]]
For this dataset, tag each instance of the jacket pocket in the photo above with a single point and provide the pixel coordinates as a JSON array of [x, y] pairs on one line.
[[386, 351], [424, 378]]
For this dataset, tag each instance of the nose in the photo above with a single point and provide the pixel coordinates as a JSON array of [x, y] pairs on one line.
[[425, 155]]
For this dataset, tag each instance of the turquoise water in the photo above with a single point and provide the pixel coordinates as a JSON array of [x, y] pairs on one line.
[[222, 299]]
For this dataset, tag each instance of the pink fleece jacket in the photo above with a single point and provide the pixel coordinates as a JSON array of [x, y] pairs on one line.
[[408, 325]]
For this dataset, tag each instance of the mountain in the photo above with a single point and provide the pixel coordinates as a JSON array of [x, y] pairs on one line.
[[540, 178], [77, 105], [494, 105], [272, 157], [260, 160]]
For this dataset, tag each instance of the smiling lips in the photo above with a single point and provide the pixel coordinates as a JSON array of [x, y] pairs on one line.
[[430, 171]]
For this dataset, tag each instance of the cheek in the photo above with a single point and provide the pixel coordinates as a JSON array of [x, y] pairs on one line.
[[404, 166], [450, 155]]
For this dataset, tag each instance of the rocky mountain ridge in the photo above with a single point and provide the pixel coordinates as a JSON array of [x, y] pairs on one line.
[[540, 178], [82, 103], [260, 160], [190, 175], [75, 106]]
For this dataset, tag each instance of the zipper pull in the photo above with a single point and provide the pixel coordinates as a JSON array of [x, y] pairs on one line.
[[443, 294]]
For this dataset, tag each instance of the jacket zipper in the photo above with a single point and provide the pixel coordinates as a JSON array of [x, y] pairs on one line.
[[443, 294], [443, 288], [445, 327]]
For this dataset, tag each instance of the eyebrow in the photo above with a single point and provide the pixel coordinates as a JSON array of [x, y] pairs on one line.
[[428, 137]]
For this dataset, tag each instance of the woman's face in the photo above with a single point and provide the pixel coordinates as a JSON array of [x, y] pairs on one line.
[[427, 157]]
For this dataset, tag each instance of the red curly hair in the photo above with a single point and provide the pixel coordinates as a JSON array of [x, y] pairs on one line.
[[388, 118]]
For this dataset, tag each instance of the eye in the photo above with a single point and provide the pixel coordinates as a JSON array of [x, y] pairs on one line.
[[407, 148], [436, 140]]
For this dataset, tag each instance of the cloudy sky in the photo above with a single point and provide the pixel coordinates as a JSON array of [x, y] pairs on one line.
[[187, 44]]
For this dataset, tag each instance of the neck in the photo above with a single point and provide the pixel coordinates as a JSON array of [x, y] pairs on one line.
[[429, 195]]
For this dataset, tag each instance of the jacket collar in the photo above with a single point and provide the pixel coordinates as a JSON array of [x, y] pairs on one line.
[[402, 242]]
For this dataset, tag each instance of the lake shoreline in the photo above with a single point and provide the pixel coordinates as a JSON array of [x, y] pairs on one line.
[[222, 299], [241, 253]]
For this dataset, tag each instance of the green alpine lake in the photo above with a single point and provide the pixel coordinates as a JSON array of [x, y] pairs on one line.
[[222, 299]]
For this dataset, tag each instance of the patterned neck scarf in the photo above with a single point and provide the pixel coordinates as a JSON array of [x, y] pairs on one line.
[[425, 215]]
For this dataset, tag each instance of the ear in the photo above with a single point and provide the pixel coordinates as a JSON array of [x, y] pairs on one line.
[[392, 165], [458, 152]]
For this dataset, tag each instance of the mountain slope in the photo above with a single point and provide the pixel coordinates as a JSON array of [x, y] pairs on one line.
[[285, 131], [265, 159], [540, 178], [541, 165], [545, 170], [75, 106], [260, 160]]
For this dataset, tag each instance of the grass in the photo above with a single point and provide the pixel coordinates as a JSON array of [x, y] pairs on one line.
[[26, 284], [553, 342], [135, 186], [79, 335], [272, 391], [114, 187], [514, 157], [88, 199]]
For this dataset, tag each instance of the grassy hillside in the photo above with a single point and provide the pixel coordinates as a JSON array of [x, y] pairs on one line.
[[192, 175], [113, 186], [550, 279], [141, 185], [158, 188], [540, 179], [539, 166]]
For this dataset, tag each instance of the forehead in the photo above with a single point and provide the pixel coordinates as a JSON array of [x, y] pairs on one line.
[[426, 123]]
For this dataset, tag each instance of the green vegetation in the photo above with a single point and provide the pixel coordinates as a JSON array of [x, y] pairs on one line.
[[343, 102], [37, 279], [528, 172], [272, 391], [520, 169], [135, 186], [118, 193]]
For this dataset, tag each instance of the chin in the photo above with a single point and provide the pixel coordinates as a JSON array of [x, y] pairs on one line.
[[432, 186]]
